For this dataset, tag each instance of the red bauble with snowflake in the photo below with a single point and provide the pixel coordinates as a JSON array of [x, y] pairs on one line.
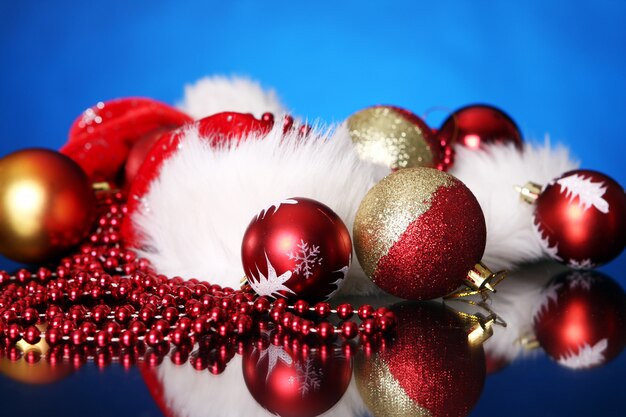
[[289, 383], [478, 125], [296, 248], [580, 218], [580, 320]]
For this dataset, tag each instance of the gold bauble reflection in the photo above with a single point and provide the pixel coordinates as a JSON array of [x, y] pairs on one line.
[[47, 205], [392, 137]]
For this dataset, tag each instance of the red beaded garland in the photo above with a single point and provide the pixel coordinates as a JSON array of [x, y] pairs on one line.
[[104, 298]]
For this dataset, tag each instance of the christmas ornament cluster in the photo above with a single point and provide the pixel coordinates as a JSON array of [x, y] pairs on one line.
[[229, 186]]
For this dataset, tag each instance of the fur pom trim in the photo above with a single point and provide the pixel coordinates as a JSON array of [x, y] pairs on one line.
[[195, 213], [216, 94], [491, 176]]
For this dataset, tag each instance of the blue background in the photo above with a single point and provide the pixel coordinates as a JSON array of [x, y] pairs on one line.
[[555, 67]]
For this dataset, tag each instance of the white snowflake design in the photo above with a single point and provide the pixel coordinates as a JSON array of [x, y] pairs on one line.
[[307, 377], [584, 264], [276, 206], [580, 279], [274, 354], [544, 241], [271, 284], [339, 282], [589, 193], [586, 357], [550, 293], [307, 257]]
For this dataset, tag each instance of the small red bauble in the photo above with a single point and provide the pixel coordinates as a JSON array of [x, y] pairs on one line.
[[479, 124], [580, 219], [580, 320], [429, 369], [297, 248], [287, 383], [418, 233], [101, 138]]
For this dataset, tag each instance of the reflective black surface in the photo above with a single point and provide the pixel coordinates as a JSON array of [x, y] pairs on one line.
[[429, 366]]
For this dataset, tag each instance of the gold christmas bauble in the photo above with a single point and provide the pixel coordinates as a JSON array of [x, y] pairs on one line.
[[394, 137], [47, 205]]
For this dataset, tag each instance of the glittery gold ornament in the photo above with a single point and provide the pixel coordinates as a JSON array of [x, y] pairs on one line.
[[47, 205], [420, 233], [394, 137]]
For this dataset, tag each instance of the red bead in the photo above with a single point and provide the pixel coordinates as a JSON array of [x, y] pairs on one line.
[[103, 338], [137, 327], [305, 327], [146, 314], [325, 330], [286, 320], [365, 311], [128, 338], [154, 337], [261, 305], [54, 336], [301, 307], [78, 337], [369, 327], [323, 310], [225, 329], [32, 335], [184, 323], [122, 315], [112, 328], [178, 337], [244, 325], [170, 314], [30, 316], [349, 329], [276, 315], [88, 328], [386, 322], [344, 311], [199, 326], [161, 325]]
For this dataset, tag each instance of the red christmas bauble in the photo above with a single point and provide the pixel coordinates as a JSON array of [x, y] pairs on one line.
[[580, 320], [103, 135], [396, 138], [479, 124], [580, 219], [296, 248], [289, 383], [217, 129], [418, 232], [430, 369]]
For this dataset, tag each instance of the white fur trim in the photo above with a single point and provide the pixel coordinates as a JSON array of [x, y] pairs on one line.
[[216, 94], [197, 210], [191, 393], [491, 176]]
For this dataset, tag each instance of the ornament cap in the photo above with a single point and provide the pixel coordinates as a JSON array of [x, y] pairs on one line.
[[481, 330], [529, 193], [480, 277]]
